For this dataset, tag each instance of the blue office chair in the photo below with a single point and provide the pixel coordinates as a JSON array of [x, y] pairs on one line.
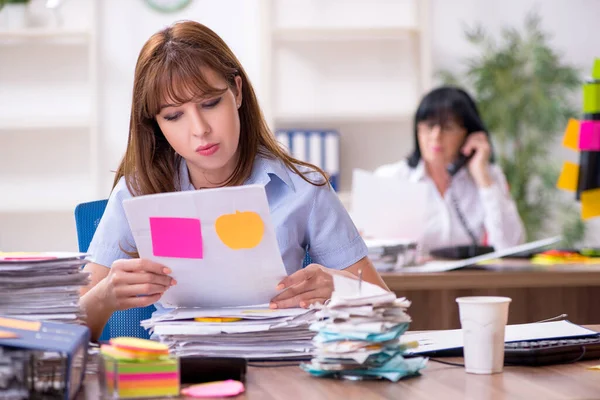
[[121, 323]]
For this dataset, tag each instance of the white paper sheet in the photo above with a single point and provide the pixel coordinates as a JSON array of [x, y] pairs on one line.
[[388, 208], [452, 339], [223, 277]]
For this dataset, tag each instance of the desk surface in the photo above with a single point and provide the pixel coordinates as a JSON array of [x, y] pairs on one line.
[[438, 381], [501, 274]]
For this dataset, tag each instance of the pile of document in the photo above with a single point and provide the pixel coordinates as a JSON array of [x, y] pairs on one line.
[[359, 333], [387, 255], [248, 332], [42, 286]]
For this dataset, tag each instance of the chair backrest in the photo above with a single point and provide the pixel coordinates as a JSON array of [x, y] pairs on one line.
[[121, 323]]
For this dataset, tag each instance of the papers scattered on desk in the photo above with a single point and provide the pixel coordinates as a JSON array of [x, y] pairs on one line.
[[42, 286], [256, 333], [431, 341], [442, 266], [359, 334]]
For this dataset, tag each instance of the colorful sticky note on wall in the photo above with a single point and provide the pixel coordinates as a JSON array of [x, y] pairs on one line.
[[176, 237], [590, 203], [571, 136], [241, 230], [568, 177], [591, 97], [589, 136]]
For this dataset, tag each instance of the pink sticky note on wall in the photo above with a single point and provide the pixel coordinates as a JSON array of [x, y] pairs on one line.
[[176, 237], [589, 136]]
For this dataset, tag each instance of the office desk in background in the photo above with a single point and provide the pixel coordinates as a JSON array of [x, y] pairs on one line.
[[538, 292], [438, 381]]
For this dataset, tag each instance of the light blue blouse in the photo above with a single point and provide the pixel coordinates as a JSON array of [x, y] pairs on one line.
[[305, 217]]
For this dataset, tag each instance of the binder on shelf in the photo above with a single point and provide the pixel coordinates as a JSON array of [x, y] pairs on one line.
[[321, 148]]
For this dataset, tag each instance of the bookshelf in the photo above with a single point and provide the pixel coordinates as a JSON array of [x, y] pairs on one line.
[[48, 132], [355, 66]]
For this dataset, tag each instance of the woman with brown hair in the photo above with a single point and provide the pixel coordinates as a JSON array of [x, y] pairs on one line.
[[196, 123]]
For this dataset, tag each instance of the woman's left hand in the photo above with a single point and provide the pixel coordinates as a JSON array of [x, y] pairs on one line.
[[305, 287], [479, 165]]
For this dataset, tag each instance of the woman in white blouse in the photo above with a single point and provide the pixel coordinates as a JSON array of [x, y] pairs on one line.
[[473, 204]]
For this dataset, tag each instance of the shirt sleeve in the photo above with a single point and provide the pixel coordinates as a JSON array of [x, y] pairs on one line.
[[333, 239], [502, 221], [113, 236]]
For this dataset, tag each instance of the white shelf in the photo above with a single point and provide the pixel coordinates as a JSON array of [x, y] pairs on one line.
[[51, 195], [342, 34], [44, 123], [45, 35], [342, 117]]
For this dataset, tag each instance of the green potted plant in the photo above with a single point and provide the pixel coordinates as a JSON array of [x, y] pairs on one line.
[[13, 13], [523, 89]]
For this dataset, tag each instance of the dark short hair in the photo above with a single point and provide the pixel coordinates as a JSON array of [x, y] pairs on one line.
[[442, 104]]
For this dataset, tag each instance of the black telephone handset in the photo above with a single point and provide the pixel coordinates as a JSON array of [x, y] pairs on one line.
[[460, 162]]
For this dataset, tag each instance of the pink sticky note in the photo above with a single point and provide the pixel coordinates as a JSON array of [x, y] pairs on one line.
[[589, 136], [176, 237], [215, 389]]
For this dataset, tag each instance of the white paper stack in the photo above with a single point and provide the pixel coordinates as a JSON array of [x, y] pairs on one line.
[[359, 334], [254, 333], [42, 286]]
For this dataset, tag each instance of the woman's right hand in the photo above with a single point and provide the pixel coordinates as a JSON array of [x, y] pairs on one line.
[[135, 283]]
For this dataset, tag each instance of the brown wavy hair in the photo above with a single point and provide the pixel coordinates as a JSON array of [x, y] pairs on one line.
[[170, 66]]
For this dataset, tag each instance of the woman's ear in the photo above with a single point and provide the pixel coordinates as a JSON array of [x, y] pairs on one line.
[[238, 91]]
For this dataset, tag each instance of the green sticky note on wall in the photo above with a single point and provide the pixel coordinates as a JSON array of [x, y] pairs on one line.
[[596, 69], [591, 98]]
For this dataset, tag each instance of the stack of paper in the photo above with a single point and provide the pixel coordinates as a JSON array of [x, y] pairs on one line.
[[247, 332], [387, 255], [42, 286], [359, 334]]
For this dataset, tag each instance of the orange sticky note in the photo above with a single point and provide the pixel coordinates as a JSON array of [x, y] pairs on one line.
[[240, 230], [597, 367], [590, 203], [20, 324], [8, 335], [571, 137], [568, 177]]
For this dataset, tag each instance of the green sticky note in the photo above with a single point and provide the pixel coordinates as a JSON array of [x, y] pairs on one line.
[[591, 98], [596, 69]]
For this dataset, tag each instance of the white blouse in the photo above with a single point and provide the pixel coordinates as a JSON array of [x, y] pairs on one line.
[[490, 213]]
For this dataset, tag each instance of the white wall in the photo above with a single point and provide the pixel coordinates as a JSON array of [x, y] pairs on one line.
[[572, 25]]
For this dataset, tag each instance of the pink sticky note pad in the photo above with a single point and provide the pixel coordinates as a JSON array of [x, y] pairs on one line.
[[589, 136], [226, 388], [176, 237]]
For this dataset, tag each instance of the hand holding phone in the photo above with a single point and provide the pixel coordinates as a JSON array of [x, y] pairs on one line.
[[474, 153]]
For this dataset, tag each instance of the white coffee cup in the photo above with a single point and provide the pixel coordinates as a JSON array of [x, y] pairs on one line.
[[483, 321]]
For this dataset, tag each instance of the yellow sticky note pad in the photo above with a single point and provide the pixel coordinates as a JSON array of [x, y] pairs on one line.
[[8, 335], [568, 177], [20, 324], [217, 319], [596, 367], [590, 203], [571, 137]]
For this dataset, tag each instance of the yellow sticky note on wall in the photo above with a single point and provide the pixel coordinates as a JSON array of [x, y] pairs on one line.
[[590, 203], [568, 177], [571, 137]]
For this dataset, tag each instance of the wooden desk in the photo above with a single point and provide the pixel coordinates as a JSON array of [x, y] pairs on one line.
[[538, 292], [438, 381]]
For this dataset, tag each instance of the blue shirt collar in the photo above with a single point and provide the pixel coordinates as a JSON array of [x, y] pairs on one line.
[[264, 170]]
